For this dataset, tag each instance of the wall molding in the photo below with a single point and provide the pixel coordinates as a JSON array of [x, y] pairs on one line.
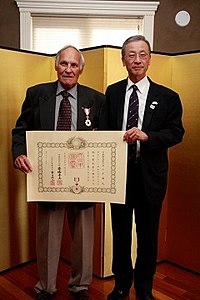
[[30, 8]]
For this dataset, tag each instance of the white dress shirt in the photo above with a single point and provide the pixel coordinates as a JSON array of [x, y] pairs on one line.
[[142, 92]]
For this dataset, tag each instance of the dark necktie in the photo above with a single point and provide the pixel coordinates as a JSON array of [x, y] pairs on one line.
[[65, 113], [132, 119]]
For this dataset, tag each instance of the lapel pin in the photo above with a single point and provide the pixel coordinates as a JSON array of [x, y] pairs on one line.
[[153, 104]]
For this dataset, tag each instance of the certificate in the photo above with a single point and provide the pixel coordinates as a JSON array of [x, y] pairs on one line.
[[77, 166]]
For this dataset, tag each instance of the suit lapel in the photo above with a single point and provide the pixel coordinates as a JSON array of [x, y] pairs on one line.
[[151, 104], [120, 99], [82, 102], [47, 107]]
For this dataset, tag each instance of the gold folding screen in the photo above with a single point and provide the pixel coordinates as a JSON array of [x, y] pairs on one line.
[[103, 66], [183, 242], [18, 71]]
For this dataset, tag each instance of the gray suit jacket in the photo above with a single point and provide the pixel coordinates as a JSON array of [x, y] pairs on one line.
[[38, 113]]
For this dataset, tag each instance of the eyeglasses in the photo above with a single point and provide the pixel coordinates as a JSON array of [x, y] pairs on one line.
[[133, 55]]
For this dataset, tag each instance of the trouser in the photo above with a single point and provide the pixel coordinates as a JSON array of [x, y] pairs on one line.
[[147, 225], [49, 230]]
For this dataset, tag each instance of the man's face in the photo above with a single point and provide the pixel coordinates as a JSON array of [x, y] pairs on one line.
[[69, 67], [136, 60]]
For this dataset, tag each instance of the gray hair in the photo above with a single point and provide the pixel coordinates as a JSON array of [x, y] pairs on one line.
[[133, 39], [82, 60]]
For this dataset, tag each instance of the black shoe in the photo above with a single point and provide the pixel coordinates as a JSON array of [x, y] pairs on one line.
[[145, 296], [43, 296], [81, 295], [118, 294]]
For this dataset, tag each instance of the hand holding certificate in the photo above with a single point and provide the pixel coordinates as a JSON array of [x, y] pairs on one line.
[[75, 166]]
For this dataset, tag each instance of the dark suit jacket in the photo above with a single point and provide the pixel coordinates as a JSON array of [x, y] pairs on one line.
[[162, 123], [38, 112]]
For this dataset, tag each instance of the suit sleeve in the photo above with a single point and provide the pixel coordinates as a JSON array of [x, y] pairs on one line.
[[23, 124]]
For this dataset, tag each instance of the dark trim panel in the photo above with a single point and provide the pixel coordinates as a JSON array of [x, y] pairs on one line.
[[98, 47]]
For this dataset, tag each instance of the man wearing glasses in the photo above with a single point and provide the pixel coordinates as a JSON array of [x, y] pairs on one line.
[[150, 115]]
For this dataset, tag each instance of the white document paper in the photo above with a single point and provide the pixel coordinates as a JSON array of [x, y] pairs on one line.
[[77, 166]]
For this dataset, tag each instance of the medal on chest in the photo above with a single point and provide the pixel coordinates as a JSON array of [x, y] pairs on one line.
[[87, 115]]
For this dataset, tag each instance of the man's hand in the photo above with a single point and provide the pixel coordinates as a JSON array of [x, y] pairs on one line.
[[135, 134], [23, 164]]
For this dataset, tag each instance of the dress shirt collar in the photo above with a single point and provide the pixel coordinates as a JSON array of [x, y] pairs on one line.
[[141, 85], [72, 91]]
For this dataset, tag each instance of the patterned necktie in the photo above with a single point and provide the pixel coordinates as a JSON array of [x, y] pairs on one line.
[[132, 120], [65, 113]]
